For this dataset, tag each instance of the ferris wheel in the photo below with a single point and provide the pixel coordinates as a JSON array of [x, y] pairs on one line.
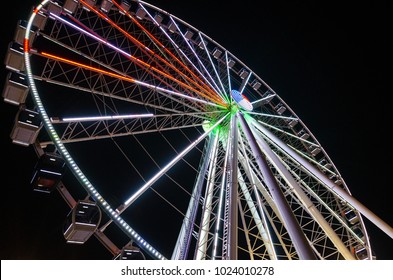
[[176, 147]]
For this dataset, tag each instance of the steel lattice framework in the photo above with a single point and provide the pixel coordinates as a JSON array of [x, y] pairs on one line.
[[150, 96]]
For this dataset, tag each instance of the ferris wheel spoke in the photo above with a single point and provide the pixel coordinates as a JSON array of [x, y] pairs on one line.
[[258, 223], [230, 241], [78, 129], [120, 89], [157, 73], [196, 81], [148, 67], [299, 203], [211, 80], [167, 54], [273, 116], [150, 182], [272, 216], [264, 100], [257, 211], [304, 201], [204, 236], [318, 191], [208, 79], [286, 133], [152, 89], [258, 183], [249, 249], [302, 246], [325, 197], [138, 97], [308, 150], [244, 83], [343, 194], [227, 69], [184, 56], [219, 88], [183, 243], [331, 214], [126, 79], [335, 219]]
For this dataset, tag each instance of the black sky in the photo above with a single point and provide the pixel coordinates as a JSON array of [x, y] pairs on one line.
[[330, 62]]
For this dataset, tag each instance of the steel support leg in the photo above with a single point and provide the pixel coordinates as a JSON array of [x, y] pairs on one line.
[[300, 241]]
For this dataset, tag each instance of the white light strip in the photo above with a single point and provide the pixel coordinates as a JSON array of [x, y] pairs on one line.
[[273, 116], [211, 63], [64, 152], [245, 83], [132, 57], [228, 75], [50, 172], [103, 118], [129, 201], [179, 49], [220, 203], [289, 134], [177, 94], [90, 34], [263, 99]]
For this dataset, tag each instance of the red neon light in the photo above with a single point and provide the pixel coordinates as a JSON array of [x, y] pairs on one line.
[[26, 46]]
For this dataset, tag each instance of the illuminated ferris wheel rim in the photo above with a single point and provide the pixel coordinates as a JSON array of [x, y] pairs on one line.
[[244, 103], [115, 217], [241, 100], [114, 214]]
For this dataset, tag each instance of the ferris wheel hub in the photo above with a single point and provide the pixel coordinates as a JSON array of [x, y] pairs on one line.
[[241, 100]]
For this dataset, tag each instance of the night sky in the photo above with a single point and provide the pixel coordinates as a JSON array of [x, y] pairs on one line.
[[332, 64]]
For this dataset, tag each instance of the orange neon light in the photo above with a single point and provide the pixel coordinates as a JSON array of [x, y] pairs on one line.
[[149, 66], [168, 51], [211, 95], [87, 67]]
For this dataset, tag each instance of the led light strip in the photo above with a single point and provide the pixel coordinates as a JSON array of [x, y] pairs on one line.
[[125, 78], [104, 118], [210, 95], [70, 162]]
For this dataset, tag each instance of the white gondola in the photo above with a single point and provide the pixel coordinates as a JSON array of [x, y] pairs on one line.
[[15, 89], [361, 253], [252, 150], [216, 53], [130, 252], [125, 5], [48, 172], [106, 5], [140, 13], [158, 18], [81, 222], [40, 20], [54, 8], [90, 3], [352, 217], [14, 57], [26, 128], [358, 231], [20, 31], [70, 6], [231, 63]]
